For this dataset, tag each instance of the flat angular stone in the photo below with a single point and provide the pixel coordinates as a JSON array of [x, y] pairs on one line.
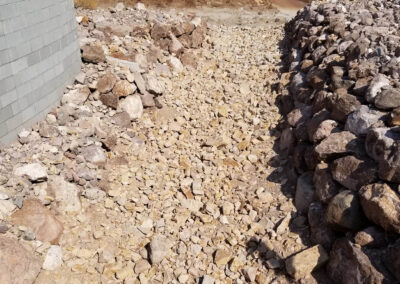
[[45, 226], [303, 263], [381, 205]]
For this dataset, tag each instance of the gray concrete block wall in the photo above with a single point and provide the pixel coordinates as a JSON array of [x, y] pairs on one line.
[[39, 56]]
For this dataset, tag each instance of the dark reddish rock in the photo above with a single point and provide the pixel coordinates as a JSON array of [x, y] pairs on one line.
[[93, 54], [381, 205], [198, 36], [392, 259], [325, 186], [188, 58], [110, 100], [106, 83], [299, 115], [159, 31], [348, 264], [342, 105], [337, 144], [353, 173]]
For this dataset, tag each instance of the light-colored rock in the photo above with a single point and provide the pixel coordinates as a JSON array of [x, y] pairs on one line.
[[159, 248], [77, 96], [133, 106], [53, 259], [94, 154], [222, 257], [302, 264], [34, 172], [175, 64], [154, 85], [66, 194]]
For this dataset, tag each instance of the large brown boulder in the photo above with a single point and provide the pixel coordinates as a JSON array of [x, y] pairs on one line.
[[348, 264], [17, 264], [353, 172], [45, 226], [337, 144], [381, 205]]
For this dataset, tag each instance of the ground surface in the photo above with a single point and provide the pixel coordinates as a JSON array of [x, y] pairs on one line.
[[202, 174]]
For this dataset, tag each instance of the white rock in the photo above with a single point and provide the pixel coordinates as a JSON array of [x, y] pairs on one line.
[[147, 226], [65, 193], [119, 7], [175, 64], [140, 6], [6, 208], [77, 96], [208, 280], [133, 106], [34, 172], [376, 86], [154, 85], [192, 204], [53, 258], [159, 248], [196, 21]]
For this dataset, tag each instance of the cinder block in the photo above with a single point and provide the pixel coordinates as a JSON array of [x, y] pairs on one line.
[[7, 84], [8, 98], [6, 113]]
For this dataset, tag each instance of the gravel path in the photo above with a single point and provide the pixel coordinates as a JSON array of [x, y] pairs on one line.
[[192, 191]]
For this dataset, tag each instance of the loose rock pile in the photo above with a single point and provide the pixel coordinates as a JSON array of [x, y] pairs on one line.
[[342, 103]]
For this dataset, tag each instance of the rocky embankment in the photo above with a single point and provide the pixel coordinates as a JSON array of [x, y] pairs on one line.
[[159, 165], [342, 103]]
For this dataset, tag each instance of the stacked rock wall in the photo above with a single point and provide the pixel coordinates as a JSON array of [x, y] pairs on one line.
[[342, 133], [39, 55]]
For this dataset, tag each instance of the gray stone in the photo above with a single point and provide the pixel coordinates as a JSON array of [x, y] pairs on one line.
[[94, 154], [154, 86], [362, 119], [388, 99]]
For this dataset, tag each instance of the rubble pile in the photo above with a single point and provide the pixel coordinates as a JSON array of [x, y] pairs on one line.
[[341, 99], [146, 45]]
